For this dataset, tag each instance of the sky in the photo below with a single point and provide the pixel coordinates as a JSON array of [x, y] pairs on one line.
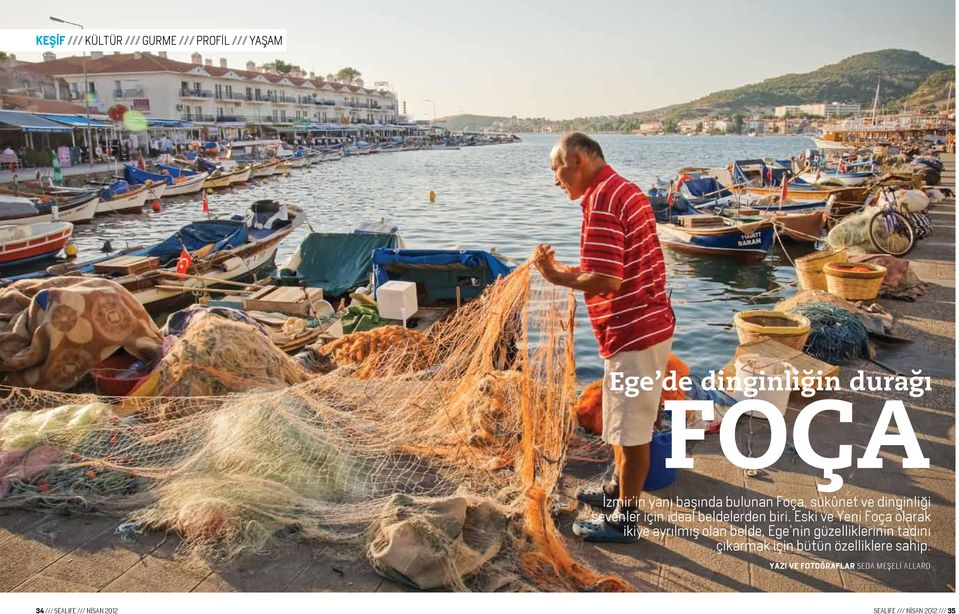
[[531, 58]]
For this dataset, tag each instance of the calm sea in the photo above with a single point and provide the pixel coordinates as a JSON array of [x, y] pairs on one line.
[[503, 196]]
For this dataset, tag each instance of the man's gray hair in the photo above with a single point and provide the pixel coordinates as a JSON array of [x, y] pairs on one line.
[[577, 141]]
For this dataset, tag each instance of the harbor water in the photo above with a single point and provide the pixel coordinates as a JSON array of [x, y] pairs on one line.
[[503, 196]]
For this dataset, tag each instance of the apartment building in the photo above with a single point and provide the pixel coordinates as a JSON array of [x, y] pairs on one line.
[[831, 109], [208, 95]]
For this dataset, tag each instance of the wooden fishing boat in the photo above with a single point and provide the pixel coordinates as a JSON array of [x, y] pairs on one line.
[[832, 177], [807, 191], [18, 207], [224, 252], [263, 169], [175, 186], [713, 235], [25, 243], [117, 197], [131, 201], [296, 161], [802, 226], [329, 156]]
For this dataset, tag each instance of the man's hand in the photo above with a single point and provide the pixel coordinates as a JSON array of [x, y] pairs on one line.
[[544, 259]]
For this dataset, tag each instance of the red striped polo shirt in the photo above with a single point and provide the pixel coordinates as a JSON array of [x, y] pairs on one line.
[[619, 239]]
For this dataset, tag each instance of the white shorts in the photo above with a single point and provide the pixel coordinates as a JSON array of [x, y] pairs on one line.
[[628, 421]]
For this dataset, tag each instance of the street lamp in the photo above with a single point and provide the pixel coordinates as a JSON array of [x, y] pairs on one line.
[[86, 88]]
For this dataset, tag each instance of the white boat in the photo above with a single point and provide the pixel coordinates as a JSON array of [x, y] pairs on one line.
[[832, 177], [242, 175], [188, 184], [253, 257], [330, 156], [131, 201], [832, 145], [264, 169], [27, 208]]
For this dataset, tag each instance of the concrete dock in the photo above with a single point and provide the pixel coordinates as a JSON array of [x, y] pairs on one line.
[[85, 553]]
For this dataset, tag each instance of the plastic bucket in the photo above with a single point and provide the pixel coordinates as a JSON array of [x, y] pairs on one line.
[[659, 450], [773, 376]]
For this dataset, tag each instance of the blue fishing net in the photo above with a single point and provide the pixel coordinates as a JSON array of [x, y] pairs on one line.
[[836, 335]]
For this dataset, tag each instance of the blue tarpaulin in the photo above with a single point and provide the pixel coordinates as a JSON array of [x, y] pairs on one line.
[[137, 176], [223, 234], [77, 121], [29, 122], [438, 270], [707, 188]]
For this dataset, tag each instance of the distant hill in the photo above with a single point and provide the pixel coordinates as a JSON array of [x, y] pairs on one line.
[[458, 123], [907, 78], [932, 93], [851, 80]]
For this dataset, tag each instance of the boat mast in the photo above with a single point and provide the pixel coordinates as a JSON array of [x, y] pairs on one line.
[[875, 102]]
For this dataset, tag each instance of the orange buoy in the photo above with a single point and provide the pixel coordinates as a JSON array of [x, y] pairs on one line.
[[156, 206]]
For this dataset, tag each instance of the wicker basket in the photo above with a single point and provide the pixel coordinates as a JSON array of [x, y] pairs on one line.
[[790, 329], [809, 267], [854, 281]]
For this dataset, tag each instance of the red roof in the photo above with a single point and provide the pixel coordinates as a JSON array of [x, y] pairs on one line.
[[149, 62], [40, 105]]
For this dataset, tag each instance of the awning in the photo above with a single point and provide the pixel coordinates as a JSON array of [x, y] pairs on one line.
[[77, 121], [153, 122], [28, 122]]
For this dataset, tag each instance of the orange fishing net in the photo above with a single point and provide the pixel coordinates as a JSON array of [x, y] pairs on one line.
[[481, 405]]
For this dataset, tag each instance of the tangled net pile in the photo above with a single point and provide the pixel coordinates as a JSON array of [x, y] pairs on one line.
[[489, 418]]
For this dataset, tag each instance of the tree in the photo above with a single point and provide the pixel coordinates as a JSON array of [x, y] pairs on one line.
[[281, 67], [699, 127], [670, 126], [348, 74], [738, 123]]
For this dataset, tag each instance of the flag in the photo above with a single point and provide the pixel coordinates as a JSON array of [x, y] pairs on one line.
[[842, 165], [206, 205], [784, 191], [184, 263], [769, 175]]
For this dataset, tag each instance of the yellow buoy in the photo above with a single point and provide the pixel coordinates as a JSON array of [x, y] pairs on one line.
[[70, 250], [209, 190], [432, 196]]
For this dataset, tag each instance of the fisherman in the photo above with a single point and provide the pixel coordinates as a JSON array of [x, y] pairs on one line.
[[623, 277]]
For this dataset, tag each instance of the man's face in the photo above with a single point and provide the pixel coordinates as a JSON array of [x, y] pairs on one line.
[[568, 171]]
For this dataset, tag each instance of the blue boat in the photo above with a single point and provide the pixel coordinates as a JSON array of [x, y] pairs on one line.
[[694, 232]]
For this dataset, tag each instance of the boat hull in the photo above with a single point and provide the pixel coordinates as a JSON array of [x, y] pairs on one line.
[[190, 185], [846, 179], [265, 169], [39, 242], [132, 201], [803, 227], [78, 213], [742, 242]]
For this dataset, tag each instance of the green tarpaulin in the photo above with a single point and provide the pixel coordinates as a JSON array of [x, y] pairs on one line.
[[338, 262]]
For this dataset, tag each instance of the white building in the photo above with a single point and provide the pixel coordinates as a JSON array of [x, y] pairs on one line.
[[831, 109], [220, 96], [651, 127]]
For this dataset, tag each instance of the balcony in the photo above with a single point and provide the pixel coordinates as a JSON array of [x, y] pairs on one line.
[[231, 118], [187, 93], [198, 117], [285, 99], [133, 92]]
